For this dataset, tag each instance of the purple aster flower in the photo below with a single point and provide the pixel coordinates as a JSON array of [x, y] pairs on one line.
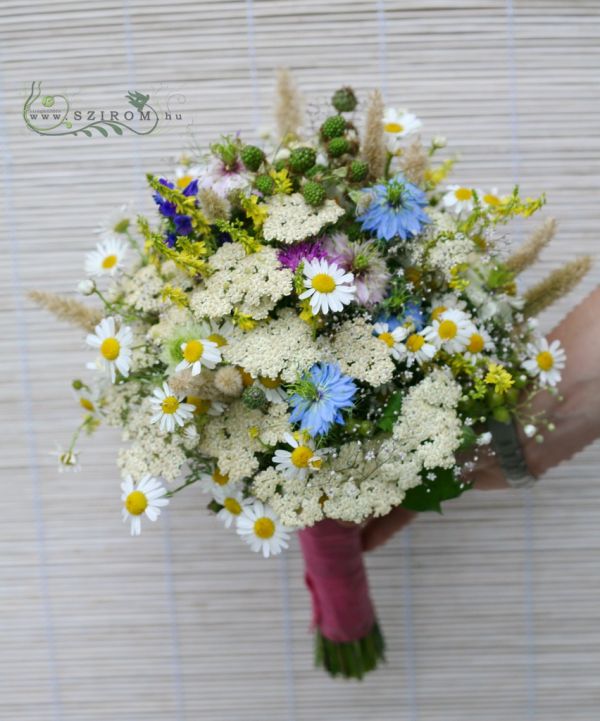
[[370, 272], [183, 224], [292, 256]]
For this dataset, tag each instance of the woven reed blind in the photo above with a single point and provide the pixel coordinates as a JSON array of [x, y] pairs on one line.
[[491, 612]]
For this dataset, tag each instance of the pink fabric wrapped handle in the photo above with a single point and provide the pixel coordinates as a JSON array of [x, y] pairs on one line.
[[337, 580]]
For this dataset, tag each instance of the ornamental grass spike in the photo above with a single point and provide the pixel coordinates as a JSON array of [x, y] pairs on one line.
[[67, 309], [288, 106], [415, 162], [373, 149], [560, 282], [529, 252]]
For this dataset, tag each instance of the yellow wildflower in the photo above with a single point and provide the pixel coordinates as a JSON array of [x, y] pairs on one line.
[[256, 212], [283, 184], [499, 377]]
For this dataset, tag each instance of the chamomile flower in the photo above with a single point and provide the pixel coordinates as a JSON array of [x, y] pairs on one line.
[[117, 221], [491, 198], [392, 338], [114, 347], [416, 349], [107, 259], [260, 528], [169, 409], [450, 331], [480, 342], [233, 503], [205, 405], [399, 124], [220, 333], [184, 174], [272, 388], [215, 480], [299, 462], [198, 353], [459, 200], [546, 360], [67, 460], [328, 286], [146, 497]]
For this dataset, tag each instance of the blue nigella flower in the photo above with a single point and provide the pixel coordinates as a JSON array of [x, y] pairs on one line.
[[413, 312], [396, 209], [320, 398]]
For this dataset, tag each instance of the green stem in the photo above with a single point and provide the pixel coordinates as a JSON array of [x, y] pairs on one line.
[[350, 659], [388, 163], [189, 482]]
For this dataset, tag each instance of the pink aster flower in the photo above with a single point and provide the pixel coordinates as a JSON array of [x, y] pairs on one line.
[[371, 277], [293, 255]]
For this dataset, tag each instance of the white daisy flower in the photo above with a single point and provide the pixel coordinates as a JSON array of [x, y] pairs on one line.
[[446, 302], [67, 460], [546, 361], [117, 221], [491, 198], [298, 463], [198, 353], [260, 528], [184, 174], [210, 482], [399, 124], [416, 349], [205, 405], [169, 409], [115, 348], [233, 503], [107, 259], [147, 496], [220, 333], [272, 389], [459, 200], [480, 342], [392, 338], [451, 331], [329, 286]]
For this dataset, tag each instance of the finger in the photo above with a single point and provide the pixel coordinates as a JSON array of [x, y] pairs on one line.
[[380, 530]]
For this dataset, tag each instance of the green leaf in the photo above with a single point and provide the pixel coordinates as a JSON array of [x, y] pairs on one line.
[[115, 126], [101, 130], [391, 412], [468, 438], [430, 495]]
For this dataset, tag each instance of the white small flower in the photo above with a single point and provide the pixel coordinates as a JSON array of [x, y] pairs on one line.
[[416, 349], [260, 528], [233, 503], [220, 333], [484, 439], [148, 497], [399, 124], [329, 287], [392, 338], [450, 331], [86, 287], [439, 141], [67, 460], [272, 389], [117, 221], [198, 353], [459, 200], [210, 482], [184, 174], [546, 361], [107, 259], [480, 342], [115, 348], [298, 463], [205, 405], [491, 198], [529, 430], [169, 409]]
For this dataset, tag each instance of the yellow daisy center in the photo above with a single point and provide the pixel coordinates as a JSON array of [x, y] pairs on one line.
[[393, 127], [437, 311], [247, 379], [193, 351], [415, 342], [387, 338], [301, 456], [109, 262], [201, 405], [476, 343], [270, 382], [232, 506], [323, 283], [136, 503], [169, 405], [463, 194], [545, 360], [264, 527], [87, 404], [184, 181], [218, 339], [447, 329], [110, 348], [221, 479], [491, 199]]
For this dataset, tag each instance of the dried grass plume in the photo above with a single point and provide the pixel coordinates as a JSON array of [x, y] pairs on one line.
[[288, 105], [529, 252], [67, 309], [560, 282], [415, 162], [213, 206], [373, 149]]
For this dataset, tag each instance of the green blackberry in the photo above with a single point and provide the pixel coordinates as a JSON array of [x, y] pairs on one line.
[[337, 147], [265, 184], [333, 127], [358, 171], [252, 157], [254, 397], [344, 100], [302, 159], [314, 193]]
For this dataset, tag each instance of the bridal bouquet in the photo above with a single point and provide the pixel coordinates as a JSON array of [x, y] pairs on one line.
[[313, 332]]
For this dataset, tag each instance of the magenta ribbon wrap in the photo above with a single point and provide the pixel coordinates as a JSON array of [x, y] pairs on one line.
[[337, 580]]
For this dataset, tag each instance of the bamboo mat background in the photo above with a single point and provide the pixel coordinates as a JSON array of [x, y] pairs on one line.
[[491, 612]]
